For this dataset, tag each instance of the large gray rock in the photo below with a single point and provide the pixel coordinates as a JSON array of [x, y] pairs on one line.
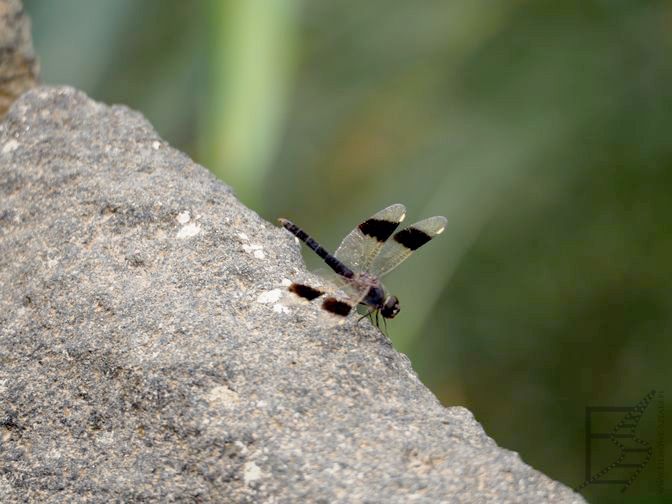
[[147, 351]]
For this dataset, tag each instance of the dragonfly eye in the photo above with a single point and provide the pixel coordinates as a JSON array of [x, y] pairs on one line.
[[390, 308]]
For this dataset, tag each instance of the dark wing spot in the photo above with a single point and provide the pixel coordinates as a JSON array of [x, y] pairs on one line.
[[305, 291], [379, 229], [412, 238], [336, 307]]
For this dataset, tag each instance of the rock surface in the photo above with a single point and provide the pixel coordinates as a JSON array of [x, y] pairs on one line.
[[19, 69], [148, 351]]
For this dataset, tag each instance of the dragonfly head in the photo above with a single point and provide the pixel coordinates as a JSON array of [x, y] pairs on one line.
[[390, 307]]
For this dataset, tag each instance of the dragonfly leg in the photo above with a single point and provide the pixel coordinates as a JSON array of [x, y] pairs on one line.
[[367, 314]]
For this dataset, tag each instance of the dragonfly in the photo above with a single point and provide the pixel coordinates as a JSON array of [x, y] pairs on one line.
[[364, 257]]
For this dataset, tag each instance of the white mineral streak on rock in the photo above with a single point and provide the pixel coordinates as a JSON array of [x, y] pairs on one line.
[[271, 296], [10, 146], [251, 472], [222, 395], [255, 250], [191, 229]]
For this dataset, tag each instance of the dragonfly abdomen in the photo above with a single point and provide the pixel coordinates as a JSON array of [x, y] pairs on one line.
[[329, 259]]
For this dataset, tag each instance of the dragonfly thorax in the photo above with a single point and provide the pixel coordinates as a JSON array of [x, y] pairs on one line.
[[376, 297], [375, 294]]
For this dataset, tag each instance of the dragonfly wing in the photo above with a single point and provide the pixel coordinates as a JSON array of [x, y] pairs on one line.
[[341, 294], [405, 242], [359, 248]]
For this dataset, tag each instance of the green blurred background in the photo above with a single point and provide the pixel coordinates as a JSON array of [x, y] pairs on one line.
[[540, 129]]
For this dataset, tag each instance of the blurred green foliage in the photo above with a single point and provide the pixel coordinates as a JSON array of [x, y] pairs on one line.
[[540, 129]]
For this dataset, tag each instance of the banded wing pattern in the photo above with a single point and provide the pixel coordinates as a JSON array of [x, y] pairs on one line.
[[362, 244], [341, 276], [333, 301], [403, 243]]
